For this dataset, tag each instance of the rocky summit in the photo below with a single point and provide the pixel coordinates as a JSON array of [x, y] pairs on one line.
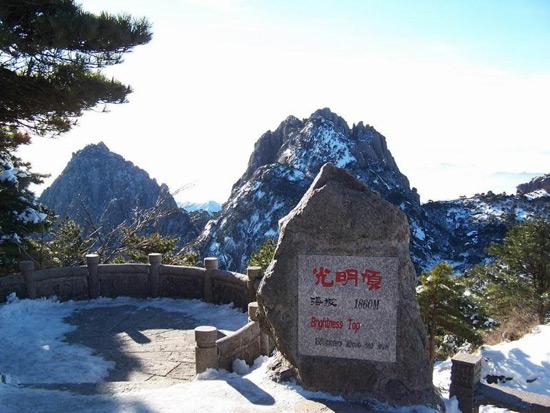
[[285, 161], [100, 188], [282, 167]]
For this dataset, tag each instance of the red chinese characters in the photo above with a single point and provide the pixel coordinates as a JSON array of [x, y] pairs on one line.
[[372, 278], [321, 277]]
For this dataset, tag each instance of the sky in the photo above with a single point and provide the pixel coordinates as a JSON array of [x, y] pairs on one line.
[[460, 89]]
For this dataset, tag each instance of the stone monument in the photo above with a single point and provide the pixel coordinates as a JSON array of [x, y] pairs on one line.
[[339, 297]]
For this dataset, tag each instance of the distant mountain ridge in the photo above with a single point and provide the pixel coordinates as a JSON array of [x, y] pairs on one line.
[[102, 186], [208, 206], [280, 170]]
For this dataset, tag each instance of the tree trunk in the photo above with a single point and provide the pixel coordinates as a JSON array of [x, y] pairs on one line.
[[431, 346]]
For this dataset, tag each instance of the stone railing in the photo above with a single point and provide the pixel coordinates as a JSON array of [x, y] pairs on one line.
[[471, 393], [213, 350], [134, 280]]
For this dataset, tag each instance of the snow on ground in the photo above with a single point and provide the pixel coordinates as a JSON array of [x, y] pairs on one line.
[[31, 334], [32, 351], [526, 360]]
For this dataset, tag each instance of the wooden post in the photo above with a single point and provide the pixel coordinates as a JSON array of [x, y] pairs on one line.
[[92, 260], [254, 274], [155, 260], [206, 350], [27, 270], [465, 376], [211, 264]]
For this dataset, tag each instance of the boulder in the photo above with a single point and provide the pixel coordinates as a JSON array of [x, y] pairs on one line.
[[352, 329]]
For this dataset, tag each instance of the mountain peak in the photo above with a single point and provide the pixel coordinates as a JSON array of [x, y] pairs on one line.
[[99, 188], [328, 115], [282, 167], [95, 147]]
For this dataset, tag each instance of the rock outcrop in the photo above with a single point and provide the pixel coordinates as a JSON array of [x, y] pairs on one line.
[[101, 186], [536, 184], [340, 219]]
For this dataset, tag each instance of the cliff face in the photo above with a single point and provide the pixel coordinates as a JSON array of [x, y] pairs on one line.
[[100, 186]]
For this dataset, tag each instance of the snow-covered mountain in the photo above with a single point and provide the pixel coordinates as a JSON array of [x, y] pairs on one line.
[[467, 226], [208, 206], [539, 185], [285, 161], [282, 167]]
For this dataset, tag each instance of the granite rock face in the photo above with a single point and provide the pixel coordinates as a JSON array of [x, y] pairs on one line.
[[103, 187], [340, 216]]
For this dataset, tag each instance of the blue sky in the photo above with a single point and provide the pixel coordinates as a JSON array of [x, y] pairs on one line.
[[459, 88]]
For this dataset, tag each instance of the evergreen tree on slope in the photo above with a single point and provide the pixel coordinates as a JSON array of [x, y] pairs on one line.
[[523, 263], [449, 315]]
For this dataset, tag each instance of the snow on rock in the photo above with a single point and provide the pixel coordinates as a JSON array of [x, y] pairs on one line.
[[541, 193]]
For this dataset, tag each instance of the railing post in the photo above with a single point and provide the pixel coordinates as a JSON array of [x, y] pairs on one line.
[[265, 344], [92, 261], [253, 311], [253, 273], [27, 270], [206, 350], [155, 260], [211, 264], [465, 376]]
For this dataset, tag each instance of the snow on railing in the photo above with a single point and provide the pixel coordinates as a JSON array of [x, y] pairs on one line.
[[214, 350]]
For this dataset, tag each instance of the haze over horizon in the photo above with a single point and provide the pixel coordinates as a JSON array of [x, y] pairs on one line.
[[458, 90]]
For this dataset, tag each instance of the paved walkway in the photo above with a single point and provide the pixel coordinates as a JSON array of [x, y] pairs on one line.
[[151, 348], [147, 344]]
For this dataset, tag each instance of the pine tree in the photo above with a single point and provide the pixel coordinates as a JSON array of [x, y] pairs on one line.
[[523, 264], [51, 56], [449, 315], [20, 214], [136, 248], [51, 53], [263, 255]]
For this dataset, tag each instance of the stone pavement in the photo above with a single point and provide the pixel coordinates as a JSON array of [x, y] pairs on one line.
[[147, 344], [151, 348]]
